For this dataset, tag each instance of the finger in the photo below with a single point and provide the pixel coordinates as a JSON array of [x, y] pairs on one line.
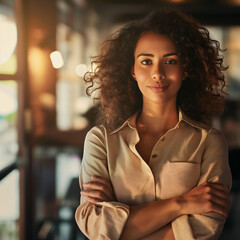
[[218, 186], [98, 186], [106, 183], [210, 206], [95, 194], [221, 210], [103, 181], [223, 202], [224, 196], [95, 185], [213, 188], [215, 203], [217, 190]]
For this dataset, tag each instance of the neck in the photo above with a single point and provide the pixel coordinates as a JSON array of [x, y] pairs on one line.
[[156, 118]]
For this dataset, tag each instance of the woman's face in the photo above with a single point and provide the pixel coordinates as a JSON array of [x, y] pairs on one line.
[[157, 68]]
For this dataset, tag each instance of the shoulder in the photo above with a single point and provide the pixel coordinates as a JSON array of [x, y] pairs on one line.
[[216, 137], [216, 144], [212, 135], [100, 131], [97, 135], [215, 132], [105, 135], [203, 127], [96, 131], [210, 132]]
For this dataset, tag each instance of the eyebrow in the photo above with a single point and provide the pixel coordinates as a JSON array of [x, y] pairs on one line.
[[151, 55], [169, 54]]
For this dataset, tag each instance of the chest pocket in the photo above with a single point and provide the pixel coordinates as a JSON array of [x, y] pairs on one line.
[[178, 177]]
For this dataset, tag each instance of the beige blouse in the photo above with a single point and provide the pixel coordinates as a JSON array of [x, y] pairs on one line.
[[186, 156]]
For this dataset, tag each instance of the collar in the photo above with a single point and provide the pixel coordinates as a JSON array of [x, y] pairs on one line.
[[182, 117], [130, 122]]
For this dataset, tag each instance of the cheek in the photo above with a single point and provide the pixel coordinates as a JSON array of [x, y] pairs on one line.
[[140, 74], [176, 74]]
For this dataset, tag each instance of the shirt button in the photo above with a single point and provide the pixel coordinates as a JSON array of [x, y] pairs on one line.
[[154, 155]]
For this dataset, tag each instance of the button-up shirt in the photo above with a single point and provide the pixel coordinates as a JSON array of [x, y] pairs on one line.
[[185, 156]]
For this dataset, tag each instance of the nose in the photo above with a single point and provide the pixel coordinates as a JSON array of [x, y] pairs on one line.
[[158, 73]]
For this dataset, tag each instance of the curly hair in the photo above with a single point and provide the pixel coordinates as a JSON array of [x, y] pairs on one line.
[[199, 96]]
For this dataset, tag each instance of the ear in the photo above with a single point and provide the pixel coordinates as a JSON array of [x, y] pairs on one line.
[[133, 74]]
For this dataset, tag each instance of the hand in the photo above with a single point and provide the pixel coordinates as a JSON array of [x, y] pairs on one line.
[[207, 197], [98, 190]]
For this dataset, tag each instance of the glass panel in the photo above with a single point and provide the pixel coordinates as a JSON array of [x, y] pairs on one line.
[[67, 171], [8, 122], [229, 38], [9, 3], [57, 195], [8, 38], [233, 45], [72, 102], [9, 208]]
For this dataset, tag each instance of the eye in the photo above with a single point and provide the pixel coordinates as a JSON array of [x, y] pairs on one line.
[[171, 61], [146, 62]]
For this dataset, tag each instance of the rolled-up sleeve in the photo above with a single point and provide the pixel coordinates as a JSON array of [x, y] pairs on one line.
[[106, 219], [214, 168]]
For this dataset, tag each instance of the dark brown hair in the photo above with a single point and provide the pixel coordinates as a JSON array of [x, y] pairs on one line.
[[199, 96]]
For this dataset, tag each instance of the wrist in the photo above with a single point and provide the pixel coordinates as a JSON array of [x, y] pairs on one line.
[[180, 205]]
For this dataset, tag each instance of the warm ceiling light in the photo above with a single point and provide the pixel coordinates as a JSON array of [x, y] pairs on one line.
[[8, 38], [81, 69], [57, 59], [236, 2]]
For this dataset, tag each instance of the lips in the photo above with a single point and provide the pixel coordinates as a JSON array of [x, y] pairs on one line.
[[158, 88]]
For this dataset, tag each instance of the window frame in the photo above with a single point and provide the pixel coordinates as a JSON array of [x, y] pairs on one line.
[[19, 77]]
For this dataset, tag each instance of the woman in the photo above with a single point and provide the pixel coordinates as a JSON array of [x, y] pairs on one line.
[[155, 169]]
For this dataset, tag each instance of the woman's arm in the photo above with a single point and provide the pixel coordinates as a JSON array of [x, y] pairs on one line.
[[111, 219], [106, 219], [145, 219], [215, 169], [151, 218], [101, 190], [164, 233]]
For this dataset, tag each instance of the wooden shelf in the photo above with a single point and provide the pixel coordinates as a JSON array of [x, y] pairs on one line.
[[54, 136]]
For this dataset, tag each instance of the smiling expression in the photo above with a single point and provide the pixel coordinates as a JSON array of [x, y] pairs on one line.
[[157, 68]]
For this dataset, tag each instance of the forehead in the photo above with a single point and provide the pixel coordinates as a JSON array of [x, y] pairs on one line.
[[154, 43]]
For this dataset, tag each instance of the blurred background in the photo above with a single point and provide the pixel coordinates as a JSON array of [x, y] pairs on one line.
[[45, 49]]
